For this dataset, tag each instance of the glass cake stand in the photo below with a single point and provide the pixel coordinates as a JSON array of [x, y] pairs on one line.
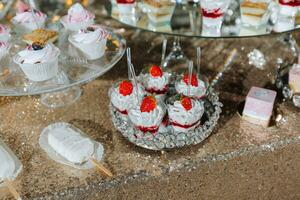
[[74, 71]]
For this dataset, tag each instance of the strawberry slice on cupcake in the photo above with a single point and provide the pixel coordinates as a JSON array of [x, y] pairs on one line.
[[148, 116]]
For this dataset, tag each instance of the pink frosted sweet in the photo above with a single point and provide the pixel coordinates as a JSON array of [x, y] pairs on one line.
[[259, 106], [294, 78]]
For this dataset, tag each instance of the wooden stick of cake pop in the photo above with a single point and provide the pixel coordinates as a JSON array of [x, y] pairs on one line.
[[191, 66], [163, 53], [128, 53], [101, 168], [198, 60], [12, 189]]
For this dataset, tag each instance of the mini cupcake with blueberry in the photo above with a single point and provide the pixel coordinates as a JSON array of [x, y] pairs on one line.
[[4, 33], [123, 96], [38, 61], [27, 20], [156, 81], [184, 113], [197, 88], [90, 41], [148, 116], [78, 18]]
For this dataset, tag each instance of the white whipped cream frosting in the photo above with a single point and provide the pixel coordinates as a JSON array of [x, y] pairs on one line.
[[4, 30], [156, 83], [147, 119], [88, 37], [29, 17], [4, 47], [197, 92], [124, 103], [71, 145], [7, 164], [77, 13], [31, 56], [178, 114]]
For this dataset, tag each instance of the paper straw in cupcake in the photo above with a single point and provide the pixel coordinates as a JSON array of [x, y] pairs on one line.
[[12, 189], [135, 82], [128, 53], [163, 53], [190, 74], [198, 61]]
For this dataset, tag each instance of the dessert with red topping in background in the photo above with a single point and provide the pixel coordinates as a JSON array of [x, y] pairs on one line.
[[123, 96], [126, 7], [148, 116], [155, 81], [184, 113], [197, 88]]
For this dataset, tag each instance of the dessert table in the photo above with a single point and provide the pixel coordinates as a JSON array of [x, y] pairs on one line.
[[239, 160]]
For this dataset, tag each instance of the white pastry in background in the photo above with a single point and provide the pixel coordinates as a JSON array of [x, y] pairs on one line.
[[7, 165], [71, 145], [4, 33]]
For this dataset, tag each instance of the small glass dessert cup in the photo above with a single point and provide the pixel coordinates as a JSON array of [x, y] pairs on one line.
[[254, 15], [126, 7], [184, 113], [288, 7], [123, 96], [155, 81], [212, 16], [197, 89], [148, 115], [77, 18], [90, 41], [39, 62]]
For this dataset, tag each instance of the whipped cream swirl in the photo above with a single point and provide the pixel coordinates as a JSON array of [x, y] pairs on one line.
[[156, 83], [178, 114], [87, 37], [197, 92], [78, 14], [124, 103], [31, 56], [4, 29], [29, 17], [147, 119]]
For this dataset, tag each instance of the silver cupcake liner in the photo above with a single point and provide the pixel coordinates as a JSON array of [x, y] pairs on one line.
[[169, 139]]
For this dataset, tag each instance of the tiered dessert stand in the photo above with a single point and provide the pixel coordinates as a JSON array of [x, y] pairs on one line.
[[74, 72]]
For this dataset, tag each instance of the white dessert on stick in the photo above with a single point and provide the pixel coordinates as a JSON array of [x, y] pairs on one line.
[[74, 147]]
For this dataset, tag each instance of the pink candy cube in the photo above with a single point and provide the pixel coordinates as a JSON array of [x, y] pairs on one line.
[[259, 106], [294, 78]]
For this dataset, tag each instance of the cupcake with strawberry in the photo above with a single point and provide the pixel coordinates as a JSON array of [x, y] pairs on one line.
[[156, 81], [148, 116], [184, 113], [123, 96], [197, 88]]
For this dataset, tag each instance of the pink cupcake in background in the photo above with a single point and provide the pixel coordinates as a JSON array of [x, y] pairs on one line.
[[27, 20], [90, 41], [4, 33], [77, 18]]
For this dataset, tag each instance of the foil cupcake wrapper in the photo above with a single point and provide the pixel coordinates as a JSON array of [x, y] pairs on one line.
[[170, 139]]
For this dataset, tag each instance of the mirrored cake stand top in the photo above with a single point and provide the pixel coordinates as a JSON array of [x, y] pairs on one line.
[[186, 21], [74, 69]]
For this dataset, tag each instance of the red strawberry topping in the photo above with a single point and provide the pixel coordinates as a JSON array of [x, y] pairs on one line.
[[156, 71], [148, 104], [194, 80], [126, 88], [186, 102]]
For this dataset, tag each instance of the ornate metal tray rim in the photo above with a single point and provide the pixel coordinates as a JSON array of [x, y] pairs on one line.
[[168, 140]]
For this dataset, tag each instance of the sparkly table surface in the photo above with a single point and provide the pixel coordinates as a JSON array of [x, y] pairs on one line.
[[23, 118]]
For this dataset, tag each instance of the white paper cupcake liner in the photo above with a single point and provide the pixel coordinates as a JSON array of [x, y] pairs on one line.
[[18, 164], [22, 28], [44, 144], [40, 71], [91, 51], [76, 26]]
